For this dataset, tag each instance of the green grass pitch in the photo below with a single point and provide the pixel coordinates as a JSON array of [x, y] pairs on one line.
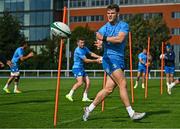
[[34, 108]]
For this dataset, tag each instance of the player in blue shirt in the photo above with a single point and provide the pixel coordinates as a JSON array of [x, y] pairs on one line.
[[15, 74], [169, 57], [112, 36], [78, 69], [141, 67]]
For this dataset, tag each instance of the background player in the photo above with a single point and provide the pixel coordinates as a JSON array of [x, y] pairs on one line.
[[15, 74], [78, 69]]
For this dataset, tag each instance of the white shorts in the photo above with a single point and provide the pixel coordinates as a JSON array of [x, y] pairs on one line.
[[15, 74]]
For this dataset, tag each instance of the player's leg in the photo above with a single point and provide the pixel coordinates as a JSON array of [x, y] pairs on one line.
[[167, 72], [168, 83], [172, 70], [137, 81], [143, 78], [138, 77], [171, 79], [119, 78], [11, 78], [177, 81], [87, 86], [110, 85], [16, 82], [79, 82], [167, 79], [78, 74]]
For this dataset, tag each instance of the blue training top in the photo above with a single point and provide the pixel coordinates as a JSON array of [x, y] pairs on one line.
[[17, 55], [112, 50], [144, 58], [170, 58], [79, 55]]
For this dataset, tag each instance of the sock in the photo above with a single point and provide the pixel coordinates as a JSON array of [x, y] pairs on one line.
[[172, 85], [71, 92], [85, 95], [167, 84], [6, 86], [91, 107], [130, 111], [15, 87], [136, 82], [142, 84]]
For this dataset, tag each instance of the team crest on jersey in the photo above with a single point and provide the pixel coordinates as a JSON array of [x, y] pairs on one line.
[[107, 70], [79, 73], [114, 66]]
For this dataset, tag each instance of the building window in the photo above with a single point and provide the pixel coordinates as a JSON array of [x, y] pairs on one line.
[[94, 18], [175, 31], [95, 3], [125, 16], [40, 4], [38, 33], [175, 15], [152, 15]]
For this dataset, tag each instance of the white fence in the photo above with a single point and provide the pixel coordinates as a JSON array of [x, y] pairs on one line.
[[155, 74]]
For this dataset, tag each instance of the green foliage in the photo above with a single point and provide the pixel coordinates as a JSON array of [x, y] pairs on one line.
[[10, 35], [141, 28], [48, 58]]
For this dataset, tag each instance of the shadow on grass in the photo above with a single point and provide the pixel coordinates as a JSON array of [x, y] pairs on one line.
[[32, 91], [26, 102], [150, 113]]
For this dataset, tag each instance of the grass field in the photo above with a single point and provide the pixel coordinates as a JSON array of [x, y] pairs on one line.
[[34, 108]]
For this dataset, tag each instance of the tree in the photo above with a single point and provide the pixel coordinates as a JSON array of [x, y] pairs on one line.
[[10, 35]]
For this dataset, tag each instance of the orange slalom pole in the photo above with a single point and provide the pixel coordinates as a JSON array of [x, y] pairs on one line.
[[162, 66], [147, 69], [104, 84], [131, 74], [59, 73]]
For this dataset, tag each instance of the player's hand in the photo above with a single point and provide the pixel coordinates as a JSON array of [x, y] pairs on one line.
[[1, 65], [31, 54], [162, 56], [9, 63], [99, 60], [99, 36], [98, 44], [148, 64]]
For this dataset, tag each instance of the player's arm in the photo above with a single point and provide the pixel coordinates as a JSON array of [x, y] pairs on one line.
[[94, 55], [114, 39], [86, 60], [141, 61], [4, 61], [22, 58]]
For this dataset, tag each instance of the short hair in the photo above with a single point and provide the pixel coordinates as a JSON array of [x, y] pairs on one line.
[[80, 38], [23, 42], [113, 6]]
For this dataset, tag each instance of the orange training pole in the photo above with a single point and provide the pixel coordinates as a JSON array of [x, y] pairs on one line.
[[104, 84], [59, 73], [162, 66], [147, 69], [131, 74]]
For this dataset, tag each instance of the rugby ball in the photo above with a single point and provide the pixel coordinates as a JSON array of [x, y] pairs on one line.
[[60, 29]]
